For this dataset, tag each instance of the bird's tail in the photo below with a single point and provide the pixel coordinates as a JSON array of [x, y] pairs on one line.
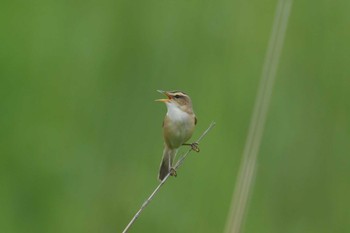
[[167, 161]]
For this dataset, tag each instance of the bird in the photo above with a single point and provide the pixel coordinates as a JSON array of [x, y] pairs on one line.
[[178, 127]]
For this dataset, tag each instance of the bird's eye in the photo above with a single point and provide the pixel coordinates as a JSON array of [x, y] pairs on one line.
[[177, 96]]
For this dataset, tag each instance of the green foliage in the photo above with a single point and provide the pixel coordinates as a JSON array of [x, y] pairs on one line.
[[81, 137]]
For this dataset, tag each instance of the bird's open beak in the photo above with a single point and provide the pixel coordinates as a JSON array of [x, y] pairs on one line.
[[164, 100]]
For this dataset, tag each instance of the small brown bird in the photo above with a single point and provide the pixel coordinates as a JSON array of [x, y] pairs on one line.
[[178, 126]]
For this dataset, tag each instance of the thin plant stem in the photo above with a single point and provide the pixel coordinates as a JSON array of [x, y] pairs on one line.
[[156, 190], [248, 167]]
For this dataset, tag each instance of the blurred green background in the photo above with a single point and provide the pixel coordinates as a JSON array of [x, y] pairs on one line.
[[81, 138]]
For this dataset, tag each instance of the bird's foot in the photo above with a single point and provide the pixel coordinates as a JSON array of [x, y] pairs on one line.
[[195, 146], [173, 172]]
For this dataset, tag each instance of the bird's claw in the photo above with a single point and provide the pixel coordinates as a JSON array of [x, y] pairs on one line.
[[195, 147], [173, 172]]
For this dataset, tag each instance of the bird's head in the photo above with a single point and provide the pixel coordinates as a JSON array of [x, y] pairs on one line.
[[178, 99]]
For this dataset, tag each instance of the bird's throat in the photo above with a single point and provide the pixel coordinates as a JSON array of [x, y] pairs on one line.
[[176, 114]]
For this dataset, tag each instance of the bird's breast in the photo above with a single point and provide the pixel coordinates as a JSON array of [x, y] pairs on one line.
[[178, 127]]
